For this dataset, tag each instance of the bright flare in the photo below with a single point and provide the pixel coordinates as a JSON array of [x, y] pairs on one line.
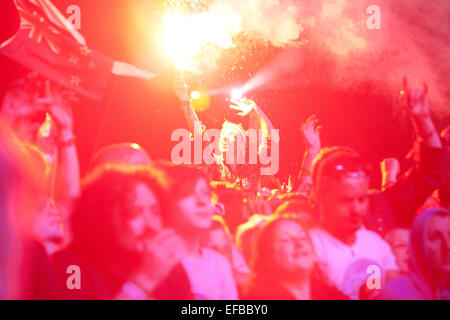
[[195, 95], [237, 94], [187, 34]]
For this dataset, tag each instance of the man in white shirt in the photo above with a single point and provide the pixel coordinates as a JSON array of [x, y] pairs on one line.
[[347, 252]]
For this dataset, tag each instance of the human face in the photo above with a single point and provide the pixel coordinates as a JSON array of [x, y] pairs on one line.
[[399, 241], [438, 244], [145, 220], [195, 209], [345, 205], [26, 129], [292, 248], [47, 224]]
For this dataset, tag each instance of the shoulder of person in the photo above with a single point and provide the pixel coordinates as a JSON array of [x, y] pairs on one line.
[[371, 235], [212, 255]]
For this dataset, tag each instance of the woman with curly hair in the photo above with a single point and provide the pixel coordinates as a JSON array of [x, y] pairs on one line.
[[119, 243]]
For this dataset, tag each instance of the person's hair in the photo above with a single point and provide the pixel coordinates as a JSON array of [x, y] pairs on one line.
[[230, 195], [335, 163], [246, 232], [262, 262], [180, 181], [218, 223], [300, 208], [23, 91], [100, 216], [294, 207]]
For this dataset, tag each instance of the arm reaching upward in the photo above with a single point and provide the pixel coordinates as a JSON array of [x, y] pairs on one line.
[[182, 91], [310, 130]]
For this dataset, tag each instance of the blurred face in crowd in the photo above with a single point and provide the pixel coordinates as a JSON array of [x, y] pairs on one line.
[[218, 240], [292, 252], [24, 117], [344, 205], [144, 220], [195, 210], [438, 244], [26, 128], [398, 239], [47, 223]]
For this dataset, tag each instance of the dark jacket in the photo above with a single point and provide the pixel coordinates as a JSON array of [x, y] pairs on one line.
[[397, 205], [93, 284], [37, 275]]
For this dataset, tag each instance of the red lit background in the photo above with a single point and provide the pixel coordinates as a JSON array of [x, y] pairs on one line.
[[352, 92]]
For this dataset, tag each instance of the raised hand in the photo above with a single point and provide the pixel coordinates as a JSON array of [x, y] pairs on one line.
[[245, 106], [390, 169], [310, 130], [415, 101], [58, 106]]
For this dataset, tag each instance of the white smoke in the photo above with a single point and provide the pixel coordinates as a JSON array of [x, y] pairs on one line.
[[274, 21]]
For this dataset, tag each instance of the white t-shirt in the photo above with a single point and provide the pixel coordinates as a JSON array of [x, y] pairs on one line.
[[211, 278], [347, 266]]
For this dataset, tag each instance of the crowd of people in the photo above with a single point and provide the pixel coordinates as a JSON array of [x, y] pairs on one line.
[[138, 228]]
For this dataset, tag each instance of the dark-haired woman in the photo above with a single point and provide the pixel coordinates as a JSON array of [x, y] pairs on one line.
[[119, 247]]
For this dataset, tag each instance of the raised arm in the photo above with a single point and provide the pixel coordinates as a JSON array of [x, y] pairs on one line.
[[310, 130], [182, 91], [410, 192], [67, 172], [417, 104]]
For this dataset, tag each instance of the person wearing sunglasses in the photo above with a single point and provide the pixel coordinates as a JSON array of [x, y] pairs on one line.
[[354, 220]]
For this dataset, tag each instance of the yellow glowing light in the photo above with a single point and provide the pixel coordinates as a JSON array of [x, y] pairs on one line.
[[200, 100], [46, 128], [195, 95]]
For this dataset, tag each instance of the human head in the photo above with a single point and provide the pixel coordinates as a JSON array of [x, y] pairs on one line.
[[398, 239], [231, 196], [188, 207], [340, 190], [233, 141], [283, 250], [20, 109], [438, 242], [47, 221], [117, 212], [430, 245], [121, 153]]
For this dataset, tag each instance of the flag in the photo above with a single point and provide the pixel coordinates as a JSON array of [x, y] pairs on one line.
[[48, 44]]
